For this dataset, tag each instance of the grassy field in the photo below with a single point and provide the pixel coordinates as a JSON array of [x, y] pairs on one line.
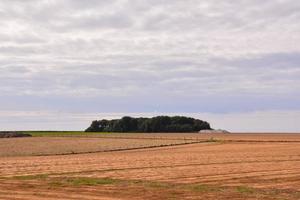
[[232, 166]]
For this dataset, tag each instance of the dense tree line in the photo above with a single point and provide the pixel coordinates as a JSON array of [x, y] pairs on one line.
[[148, 125]]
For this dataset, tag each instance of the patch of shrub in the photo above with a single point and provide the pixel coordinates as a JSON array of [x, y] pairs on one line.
[[149, 125]]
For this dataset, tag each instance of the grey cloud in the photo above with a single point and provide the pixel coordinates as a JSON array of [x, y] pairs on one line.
[[167, 54], [21, 39], [143, 76], [115, 21]]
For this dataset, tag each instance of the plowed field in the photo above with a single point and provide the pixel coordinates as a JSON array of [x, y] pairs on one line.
[[38, 146], [244, 168]]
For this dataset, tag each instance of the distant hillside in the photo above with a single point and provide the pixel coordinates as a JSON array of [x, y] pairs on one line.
[[149, 125]]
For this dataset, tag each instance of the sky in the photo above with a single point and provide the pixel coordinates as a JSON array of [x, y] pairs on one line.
[[235, 64]]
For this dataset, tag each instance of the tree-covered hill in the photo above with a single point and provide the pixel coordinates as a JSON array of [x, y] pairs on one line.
[[148, 125]]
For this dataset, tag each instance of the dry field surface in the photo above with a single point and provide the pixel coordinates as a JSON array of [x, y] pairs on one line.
[[73, 145], [265, 167], [251, 137]]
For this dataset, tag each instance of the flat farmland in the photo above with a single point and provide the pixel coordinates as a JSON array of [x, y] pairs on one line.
[[265, 166], [259, 137], [251, 137], [74, 145]]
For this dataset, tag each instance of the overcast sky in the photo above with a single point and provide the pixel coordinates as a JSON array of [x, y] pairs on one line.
[[64, 63]]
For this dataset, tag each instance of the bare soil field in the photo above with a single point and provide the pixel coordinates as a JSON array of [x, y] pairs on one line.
[[254, 167], [258, 137], [74, 145]]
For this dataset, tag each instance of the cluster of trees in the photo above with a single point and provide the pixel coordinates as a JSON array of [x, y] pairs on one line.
[[148, 125]]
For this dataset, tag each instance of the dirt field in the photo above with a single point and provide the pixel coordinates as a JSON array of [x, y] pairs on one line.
[[270, 137], [222, 169], [74, 145]]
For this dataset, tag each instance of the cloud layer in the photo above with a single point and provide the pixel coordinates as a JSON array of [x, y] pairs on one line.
[[149, 56]]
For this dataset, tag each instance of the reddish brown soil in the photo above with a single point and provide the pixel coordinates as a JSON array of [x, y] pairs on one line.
[[228, 170]]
